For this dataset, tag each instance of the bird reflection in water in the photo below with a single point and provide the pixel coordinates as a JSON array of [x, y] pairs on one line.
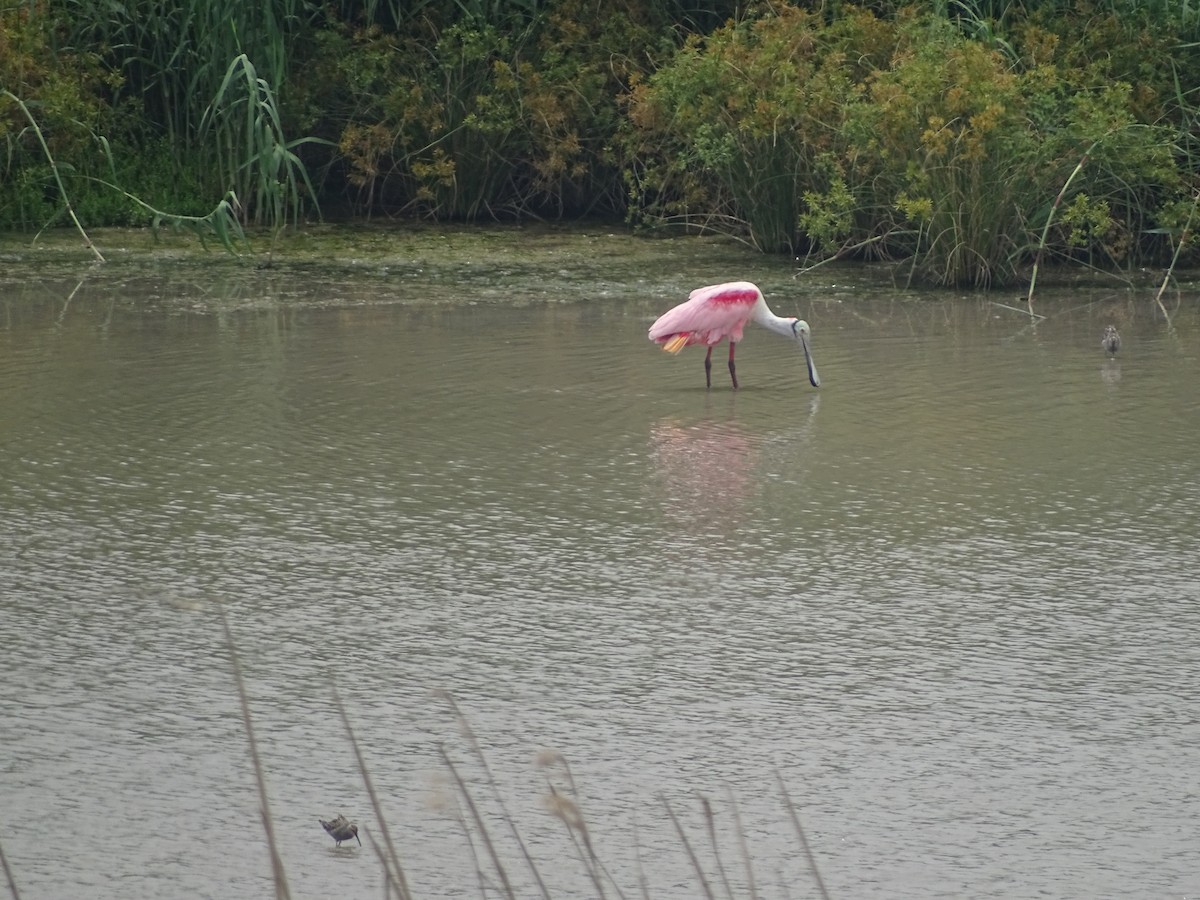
[[711, 470], [708, 471]]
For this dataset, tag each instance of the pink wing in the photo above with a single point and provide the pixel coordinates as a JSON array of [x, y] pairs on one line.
[[710, 314]]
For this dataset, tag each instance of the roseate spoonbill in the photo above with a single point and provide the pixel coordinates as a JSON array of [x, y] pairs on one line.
[[1111, 340], [341, 829], [712, 314]]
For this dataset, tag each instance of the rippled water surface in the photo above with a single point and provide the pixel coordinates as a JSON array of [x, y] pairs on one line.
[[947, 604]]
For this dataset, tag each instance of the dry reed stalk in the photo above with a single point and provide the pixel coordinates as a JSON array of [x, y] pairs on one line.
[[12, 882], [742, 846], [395, 872], [479, 824], [812, 862], [475, 858], [690, 852], [641, 871], [711, 822], [1183, 238], [469, 734], [392, 883], [1037, 261], [277, 871], [568, 810]]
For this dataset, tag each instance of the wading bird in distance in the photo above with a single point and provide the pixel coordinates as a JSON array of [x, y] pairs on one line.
[[719, 312], [1111, 340], [341, 829]]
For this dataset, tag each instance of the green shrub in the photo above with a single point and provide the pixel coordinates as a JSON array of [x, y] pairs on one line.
[[63, 90], [730, 131], [465, 119], [907, 138], [952, 164]]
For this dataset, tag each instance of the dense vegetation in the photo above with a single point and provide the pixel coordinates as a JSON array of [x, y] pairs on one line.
[[968, 138]]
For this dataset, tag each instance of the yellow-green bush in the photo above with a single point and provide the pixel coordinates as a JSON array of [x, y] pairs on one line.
[[904, 138]]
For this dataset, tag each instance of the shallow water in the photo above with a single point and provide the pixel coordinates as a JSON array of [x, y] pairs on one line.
[[950, 597]]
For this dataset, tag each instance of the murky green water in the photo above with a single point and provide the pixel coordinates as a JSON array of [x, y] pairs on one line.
[[950, 596]]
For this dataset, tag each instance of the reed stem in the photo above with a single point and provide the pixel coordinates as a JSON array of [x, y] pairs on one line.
[[397, 869], [1183, 237], [479, 824], [812, 862], [62, 190], [473, 743], [687, 845], [1049, 221], [742, 846], [711, 823], [280, 877], [12, 882]]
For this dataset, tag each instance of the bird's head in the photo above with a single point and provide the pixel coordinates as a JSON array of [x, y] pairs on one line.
[[801, 331]]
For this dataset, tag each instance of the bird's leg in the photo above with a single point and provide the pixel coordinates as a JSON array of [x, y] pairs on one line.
[[708, 369], [732, 368]]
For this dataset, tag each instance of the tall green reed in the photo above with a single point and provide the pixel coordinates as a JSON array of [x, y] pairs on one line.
[[173, 55], [207, 74], [256, 161]]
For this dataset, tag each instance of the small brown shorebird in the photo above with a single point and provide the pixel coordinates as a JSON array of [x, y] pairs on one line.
[[341, 829], [1111, 340]]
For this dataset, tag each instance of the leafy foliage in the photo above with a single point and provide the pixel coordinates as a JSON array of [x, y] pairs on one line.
[[161, 75], [969, 138], [471, 119], [733, 128], [906, 138], [62, 94]]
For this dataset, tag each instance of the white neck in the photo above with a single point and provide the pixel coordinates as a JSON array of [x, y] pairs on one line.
[[763, 316]]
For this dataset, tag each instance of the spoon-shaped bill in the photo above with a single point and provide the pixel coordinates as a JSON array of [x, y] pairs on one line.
[[813, 378]]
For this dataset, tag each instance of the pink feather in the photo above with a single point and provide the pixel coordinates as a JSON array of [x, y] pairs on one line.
[[710, 314]]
